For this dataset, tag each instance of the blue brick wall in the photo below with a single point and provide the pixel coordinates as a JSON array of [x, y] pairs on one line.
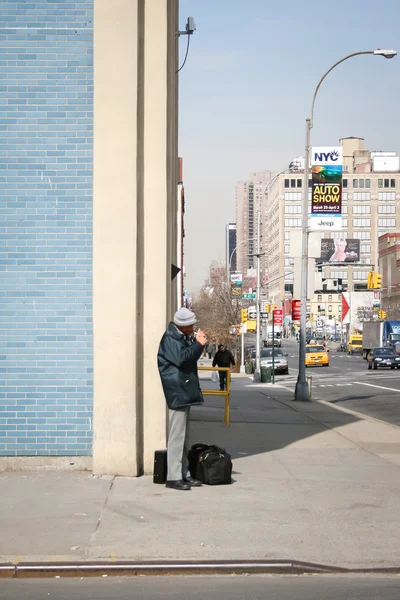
[[46, 128]]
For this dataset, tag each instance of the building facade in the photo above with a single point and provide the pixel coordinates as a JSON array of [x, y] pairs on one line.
[[230, 248], [250, 197], [371, 197], [389, 268], [88, 158]]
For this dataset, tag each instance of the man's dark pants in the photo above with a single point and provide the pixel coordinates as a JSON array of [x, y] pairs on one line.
[[222, 380]]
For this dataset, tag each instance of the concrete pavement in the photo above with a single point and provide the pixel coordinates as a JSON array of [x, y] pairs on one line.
[[312, 483]]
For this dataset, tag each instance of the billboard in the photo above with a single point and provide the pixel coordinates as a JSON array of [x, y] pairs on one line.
[[326, 194], [236, 285], [342, 250]]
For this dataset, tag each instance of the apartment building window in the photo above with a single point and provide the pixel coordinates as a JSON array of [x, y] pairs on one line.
[[355, 183], [386, 222], [338, 235], [319, 297], [344, 222], [387, 209], [330, 308], [362, 196], [362, 209], [345, 209], [310, 183], [386, 183], [287, 235], [299, 183], [287, 248], [288, 262], [339, 275], [344, 195], [292, 222], [290, 196], [362, 235], [292, 183], [287, 183], [293, 209], [360, 275], [344, 183], [386, 195], [365, 248], [330, 298], [361, 222]]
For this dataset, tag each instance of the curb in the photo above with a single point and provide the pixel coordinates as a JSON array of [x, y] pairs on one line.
[[154, 568]]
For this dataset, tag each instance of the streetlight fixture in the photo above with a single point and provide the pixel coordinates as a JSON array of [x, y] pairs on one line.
[[301, 392]]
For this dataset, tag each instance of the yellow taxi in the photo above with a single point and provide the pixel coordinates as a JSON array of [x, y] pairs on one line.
[[316, 354]]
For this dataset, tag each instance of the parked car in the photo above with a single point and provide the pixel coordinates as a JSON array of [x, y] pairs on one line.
[[316, 354], [383, 357], [280, 360]]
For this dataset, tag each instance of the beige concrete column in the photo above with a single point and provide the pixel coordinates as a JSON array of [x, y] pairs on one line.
[[158, 235], [115, 420], [135, 179]]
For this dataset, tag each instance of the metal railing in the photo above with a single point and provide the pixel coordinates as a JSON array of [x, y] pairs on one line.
[[225, 393]]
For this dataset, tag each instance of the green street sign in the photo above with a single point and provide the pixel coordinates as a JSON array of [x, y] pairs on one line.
[[249, 296]]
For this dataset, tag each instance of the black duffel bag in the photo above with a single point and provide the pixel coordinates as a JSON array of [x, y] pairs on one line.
[[211, 464]]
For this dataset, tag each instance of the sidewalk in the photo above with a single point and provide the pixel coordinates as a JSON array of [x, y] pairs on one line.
[[312, 483]]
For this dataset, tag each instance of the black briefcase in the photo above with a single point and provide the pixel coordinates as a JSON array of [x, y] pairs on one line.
[[160, 466]]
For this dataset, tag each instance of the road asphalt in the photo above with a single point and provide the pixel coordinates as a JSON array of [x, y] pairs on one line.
[[198, 588], [348, 383]]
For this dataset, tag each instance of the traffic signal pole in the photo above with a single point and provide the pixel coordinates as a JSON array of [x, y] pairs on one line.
[[242, 367]]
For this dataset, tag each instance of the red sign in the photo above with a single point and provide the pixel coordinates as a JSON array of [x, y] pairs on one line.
[[345, 307], [278, 316], [296, 310]]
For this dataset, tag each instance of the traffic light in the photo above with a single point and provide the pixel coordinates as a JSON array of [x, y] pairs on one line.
[[267, 308], [377, 281], [244, 315], [374, 280], [273, 307], [382, 314]]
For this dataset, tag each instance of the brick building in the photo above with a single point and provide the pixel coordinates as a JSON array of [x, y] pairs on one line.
[[88, 158]]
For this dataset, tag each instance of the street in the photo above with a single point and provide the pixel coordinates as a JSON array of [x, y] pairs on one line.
[[256, 587], [349, 383]]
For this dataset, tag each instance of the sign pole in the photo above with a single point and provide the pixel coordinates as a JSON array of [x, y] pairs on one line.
[[273, 346], [242, 367]]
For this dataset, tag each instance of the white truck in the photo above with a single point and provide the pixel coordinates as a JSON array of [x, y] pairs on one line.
[[379, 334], [276, 339]]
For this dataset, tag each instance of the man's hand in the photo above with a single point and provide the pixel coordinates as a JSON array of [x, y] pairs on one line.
[[201, 337]]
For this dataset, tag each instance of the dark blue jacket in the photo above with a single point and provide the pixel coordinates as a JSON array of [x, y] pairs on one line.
[[177, 365]]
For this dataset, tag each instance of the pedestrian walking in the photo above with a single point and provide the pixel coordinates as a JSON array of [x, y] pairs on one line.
[[178, 354], [211, 348], [223, 358]]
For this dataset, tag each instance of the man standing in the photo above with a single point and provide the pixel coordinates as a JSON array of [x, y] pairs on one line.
[[223, 358], [178, 354]]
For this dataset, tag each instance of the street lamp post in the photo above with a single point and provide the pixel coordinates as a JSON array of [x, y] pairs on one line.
[[301, 392]]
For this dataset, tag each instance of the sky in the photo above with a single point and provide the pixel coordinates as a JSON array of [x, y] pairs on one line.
[[247, 87]]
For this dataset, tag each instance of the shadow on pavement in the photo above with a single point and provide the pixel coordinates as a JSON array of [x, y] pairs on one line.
[[263, 420]]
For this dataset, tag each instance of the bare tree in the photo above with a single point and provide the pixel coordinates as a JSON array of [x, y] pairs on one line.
[[218, 312]]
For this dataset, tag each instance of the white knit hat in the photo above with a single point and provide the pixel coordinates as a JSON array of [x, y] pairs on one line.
[[184, 317]]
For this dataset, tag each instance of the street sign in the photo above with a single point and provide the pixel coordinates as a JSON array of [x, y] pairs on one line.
[[249, 296], [264, 315], [278, 316], [296, 310]]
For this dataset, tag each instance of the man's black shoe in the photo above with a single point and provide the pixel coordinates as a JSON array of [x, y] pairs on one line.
[[178, 485], [193, 482]]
